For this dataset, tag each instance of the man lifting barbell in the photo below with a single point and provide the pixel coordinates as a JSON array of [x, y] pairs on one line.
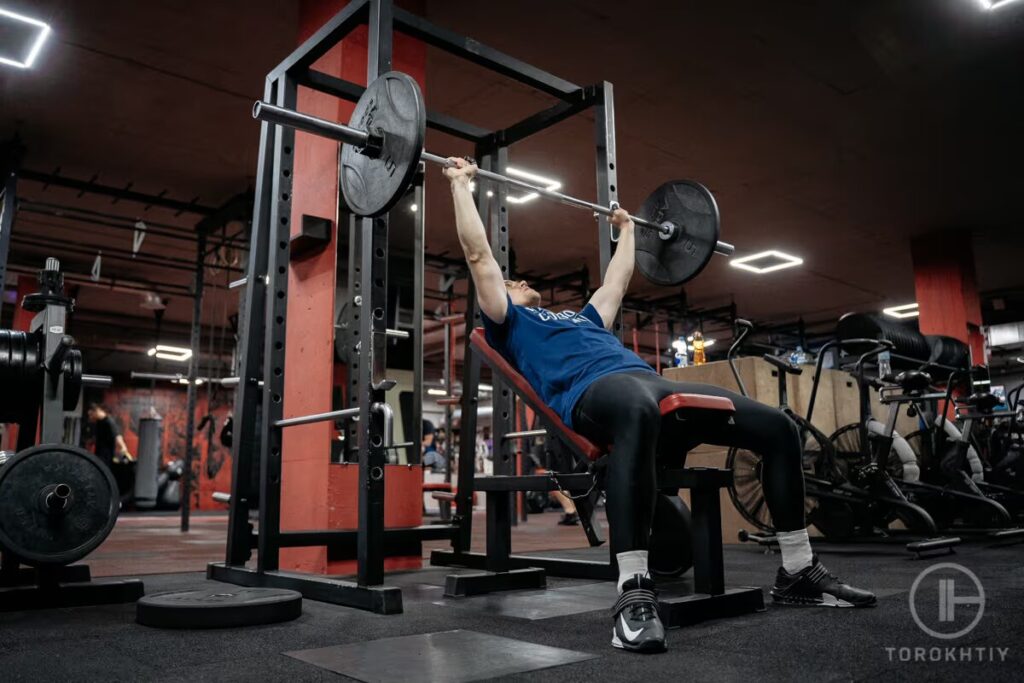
[[610, 395]]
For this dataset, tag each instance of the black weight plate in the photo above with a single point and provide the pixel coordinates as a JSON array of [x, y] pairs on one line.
[[692, 209], [39, 537], [218, 607], [72, 378], [671, 544], [393, 105]]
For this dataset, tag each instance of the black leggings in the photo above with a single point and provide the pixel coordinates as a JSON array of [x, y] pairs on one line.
[[622, 410]]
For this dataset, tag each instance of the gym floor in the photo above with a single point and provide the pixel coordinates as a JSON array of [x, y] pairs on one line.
[[572, 616]]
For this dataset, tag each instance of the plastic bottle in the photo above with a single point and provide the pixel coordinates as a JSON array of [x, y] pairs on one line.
[[884, 365], [682, 357], [698, 348]]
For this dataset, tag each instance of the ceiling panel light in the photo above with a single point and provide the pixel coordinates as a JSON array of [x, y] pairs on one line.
[[766, 261], [994, 4], [179, 354], [437, 392], [23, 38], [904, 311], [547, 183]]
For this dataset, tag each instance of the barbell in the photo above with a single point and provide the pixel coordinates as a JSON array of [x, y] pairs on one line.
[[383, 145]]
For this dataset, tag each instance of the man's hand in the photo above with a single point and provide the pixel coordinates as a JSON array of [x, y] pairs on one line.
[[461, 171], [621, 220]]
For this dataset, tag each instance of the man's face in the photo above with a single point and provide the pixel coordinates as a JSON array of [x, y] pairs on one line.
[[94, 414], [521, 293]]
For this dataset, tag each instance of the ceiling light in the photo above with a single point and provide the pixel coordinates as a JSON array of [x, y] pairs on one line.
[[472, 186], [982, 382], [1020, 359], [151, 301], [486, 388], [175, 353], [33, 45], [546, 183], [437, 392], [766, 261], [490, 193], [904, 311], [994, 4], [413, 207]]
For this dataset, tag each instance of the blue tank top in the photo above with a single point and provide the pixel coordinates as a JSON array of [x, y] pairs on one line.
[[560, 354]]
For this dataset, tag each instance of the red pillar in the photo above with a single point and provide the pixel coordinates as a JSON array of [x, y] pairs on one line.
[[314, 494], [947, 289]]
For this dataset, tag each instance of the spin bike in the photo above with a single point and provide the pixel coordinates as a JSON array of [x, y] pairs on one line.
[[949, 458], [841, 502], [870, 453]]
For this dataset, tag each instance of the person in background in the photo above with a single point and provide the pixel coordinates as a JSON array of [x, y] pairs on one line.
[[431, 457], [109, 444], [483, 453]]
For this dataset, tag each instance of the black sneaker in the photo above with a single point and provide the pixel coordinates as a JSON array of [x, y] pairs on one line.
[[816, 586], [569, 519], [637, 625]]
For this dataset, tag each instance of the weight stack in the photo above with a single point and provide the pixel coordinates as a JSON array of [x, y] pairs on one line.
[[148, 462]]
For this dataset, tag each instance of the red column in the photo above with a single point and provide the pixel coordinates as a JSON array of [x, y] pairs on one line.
[[312, 491], [947, 288]]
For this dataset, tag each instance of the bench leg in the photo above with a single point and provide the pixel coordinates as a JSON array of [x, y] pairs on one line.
[[499, 530], [499, 575], [706, 520]]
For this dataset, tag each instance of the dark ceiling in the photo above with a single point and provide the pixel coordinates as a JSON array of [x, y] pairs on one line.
[[832, 130]]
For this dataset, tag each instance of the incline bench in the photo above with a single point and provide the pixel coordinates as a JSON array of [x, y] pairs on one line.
[[504, 571]]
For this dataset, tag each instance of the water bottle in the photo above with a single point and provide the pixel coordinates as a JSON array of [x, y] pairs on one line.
[[682, 357], [796, 357], [884, 365]]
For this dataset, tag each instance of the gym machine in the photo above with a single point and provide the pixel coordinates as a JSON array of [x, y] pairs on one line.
[[58, 502]]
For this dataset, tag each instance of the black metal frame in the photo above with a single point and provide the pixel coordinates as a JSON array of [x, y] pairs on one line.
[[264, 308]]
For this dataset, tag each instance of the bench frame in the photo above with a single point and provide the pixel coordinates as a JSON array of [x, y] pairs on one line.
[[503, 570]]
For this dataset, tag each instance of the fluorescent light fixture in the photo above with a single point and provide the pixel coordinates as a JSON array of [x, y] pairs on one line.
[[175, 353], [766, 261], [982, 382], [33, 51], [547, 183], [486, 387], [437, 392], [904, 311], [994, 4]]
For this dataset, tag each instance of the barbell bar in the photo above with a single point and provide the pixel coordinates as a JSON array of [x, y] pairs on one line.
[[368, 142]]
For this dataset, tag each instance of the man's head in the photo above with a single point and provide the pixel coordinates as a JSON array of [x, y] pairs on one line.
[[521, 293], [96, 412]]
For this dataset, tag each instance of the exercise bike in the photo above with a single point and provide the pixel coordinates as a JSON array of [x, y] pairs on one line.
[[949, 456], [842, 502], [869, 453]]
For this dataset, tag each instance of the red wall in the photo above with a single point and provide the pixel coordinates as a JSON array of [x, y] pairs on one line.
[[314, 493], [211, 469]]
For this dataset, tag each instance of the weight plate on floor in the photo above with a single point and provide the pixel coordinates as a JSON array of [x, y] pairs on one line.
[[393, 106], [692, 209], [671, 544], [58, 503], [219, 607]]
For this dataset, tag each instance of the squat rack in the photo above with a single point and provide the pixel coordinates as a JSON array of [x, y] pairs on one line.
[[264, 313]]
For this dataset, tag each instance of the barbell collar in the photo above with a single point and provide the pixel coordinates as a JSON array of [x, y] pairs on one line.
[[270, 113]]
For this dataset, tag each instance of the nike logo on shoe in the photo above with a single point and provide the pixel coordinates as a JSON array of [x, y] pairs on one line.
[[628, 632]]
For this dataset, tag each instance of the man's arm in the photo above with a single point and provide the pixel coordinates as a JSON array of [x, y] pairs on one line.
[[608, 297], [490, 285]]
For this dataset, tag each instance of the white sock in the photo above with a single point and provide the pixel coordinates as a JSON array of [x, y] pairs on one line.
[[631, 563], [796, 550]]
